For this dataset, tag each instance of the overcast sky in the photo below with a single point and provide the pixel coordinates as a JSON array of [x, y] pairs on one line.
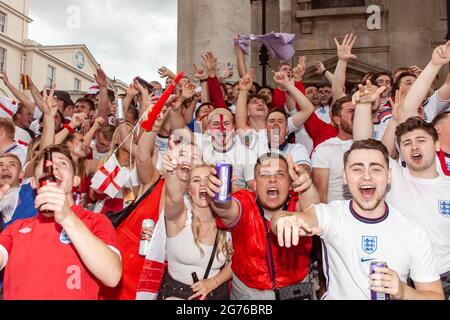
[[127, 38]]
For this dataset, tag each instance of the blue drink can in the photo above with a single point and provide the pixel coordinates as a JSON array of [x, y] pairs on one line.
[[224, 174], [378, 295]]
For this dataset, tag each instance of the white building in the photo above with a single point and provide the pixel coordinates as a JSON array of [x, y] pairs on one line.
[[71, 67]]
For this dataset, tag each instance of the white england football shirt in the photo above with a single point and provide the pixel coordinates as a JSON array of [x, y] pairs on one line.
[[351, 242], [428, 201], [330, 155]]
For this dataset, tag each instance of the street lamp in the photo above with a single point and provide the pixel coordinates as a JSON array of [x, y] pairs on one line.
[[263, 53]]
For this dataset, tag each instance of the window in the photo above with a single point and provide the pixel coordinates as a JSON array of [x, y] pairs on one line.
[[2, 59], [2, 22], [77, 84], [50, 76], [324, 4]]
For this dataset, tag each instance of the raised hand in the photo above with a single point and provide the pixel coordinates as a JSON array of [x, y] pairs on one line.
[[210, 62], [301, 181], [49, 102], [320, 68], [281, 78], [100, 78], [368, 94], [5, 78], [441, 55], [78, 119], [397, 107], [416, 70], [226, 73], [132, 91], [165, 72], [171, 161], [200, 73], [246, 83], [188, 90], [344, 50], [299, 71]]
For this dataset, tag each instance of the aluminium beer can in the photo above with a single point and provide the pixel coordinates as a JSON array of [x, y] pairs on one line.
[[120, 113], [144, 243], [378, 295], [224, 174]]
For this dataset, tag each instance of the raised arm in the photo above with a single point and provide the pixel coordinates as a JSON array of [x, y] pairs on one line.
[[419, 90], [89, 136], [217, 99], [146, 151], [366, 101], [174, 206], [201, 75], [389, 134], [307, 109], [245, 85], [228, 211], [77, 120], [344, 52], [103, 100], [50, 110], [17, 93], [242, 68], [320, 69]]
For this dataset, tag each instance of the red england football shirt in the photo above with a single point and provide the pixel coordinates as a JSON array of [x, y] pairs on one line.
[[42, 263]]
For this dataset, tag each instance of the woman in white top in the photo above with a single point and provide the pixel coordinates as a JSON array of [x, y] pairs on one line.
[[191, 235]]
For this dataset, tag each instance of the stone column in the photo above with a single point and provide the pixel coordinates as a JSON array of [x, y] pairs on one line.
[[210, 25]]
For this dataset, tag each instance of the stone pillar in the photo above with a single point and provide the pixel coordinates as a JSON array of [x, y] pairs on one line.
[[415, 29], [210, 25]]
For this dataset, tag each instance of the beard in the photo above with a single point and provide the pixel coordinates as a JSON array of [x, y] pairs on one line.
[[347, 127]]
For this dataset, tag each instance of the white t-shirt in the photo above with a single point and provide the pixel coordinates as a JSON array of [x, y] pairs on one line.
[[434, 106], [297, 151], [351, 242], [22, 136], [330, 155], [381, 124], [428, 201], [238, 156]]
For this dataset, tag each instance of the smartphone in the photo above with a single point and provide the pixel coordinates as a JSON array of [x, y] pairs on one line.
[[145, 84]]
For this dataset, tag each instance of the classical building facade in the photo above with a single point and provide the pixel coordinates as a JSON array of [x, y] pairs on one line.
[[71, 67], [392, 33]]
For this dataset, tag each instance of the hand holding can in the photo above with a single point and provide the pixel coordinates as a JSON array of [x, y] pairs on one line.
[[224, 173]]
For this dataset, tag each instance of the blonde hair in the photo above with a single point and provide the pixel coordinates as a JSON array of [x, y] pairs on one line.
[[223, 245]]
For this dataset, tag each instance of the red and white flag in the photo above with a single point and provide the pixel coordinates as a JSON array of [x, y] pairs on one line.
[[110, 178], [8, 107]]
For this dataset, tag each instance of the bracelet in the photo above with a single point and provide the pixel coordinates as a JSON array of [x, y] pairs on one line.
[[324, 71], [68, 127]]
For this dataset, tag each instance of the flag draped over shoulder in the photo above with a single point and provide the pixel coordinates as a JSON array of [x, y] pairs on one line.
[[279, 45], [128, 223]]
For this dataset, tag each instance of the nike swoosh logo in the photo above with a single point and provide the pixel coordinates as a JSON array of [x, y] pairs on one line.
[[365, 260]]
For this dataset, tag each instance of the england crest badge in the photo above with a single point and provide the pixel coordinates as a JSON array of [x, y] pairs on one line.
[[369, 244], [444, 208], [64, 238]]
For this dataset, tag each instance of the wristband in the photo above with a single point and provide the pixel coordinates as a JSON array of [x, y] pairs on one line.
[[324, 71], [68, 127]]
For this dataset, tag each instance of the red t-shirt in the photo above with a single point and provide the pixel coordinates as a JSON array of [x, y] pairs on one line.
[[42, 263], [250, 249]]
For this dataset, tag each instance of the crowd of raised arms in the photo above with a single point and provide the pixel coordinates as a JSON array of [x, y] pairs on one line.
[[336, 192]]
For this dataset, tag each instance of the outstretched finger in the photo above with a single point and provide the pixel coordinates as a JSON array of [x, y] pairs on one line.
[[280, 234], [287, 235]]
